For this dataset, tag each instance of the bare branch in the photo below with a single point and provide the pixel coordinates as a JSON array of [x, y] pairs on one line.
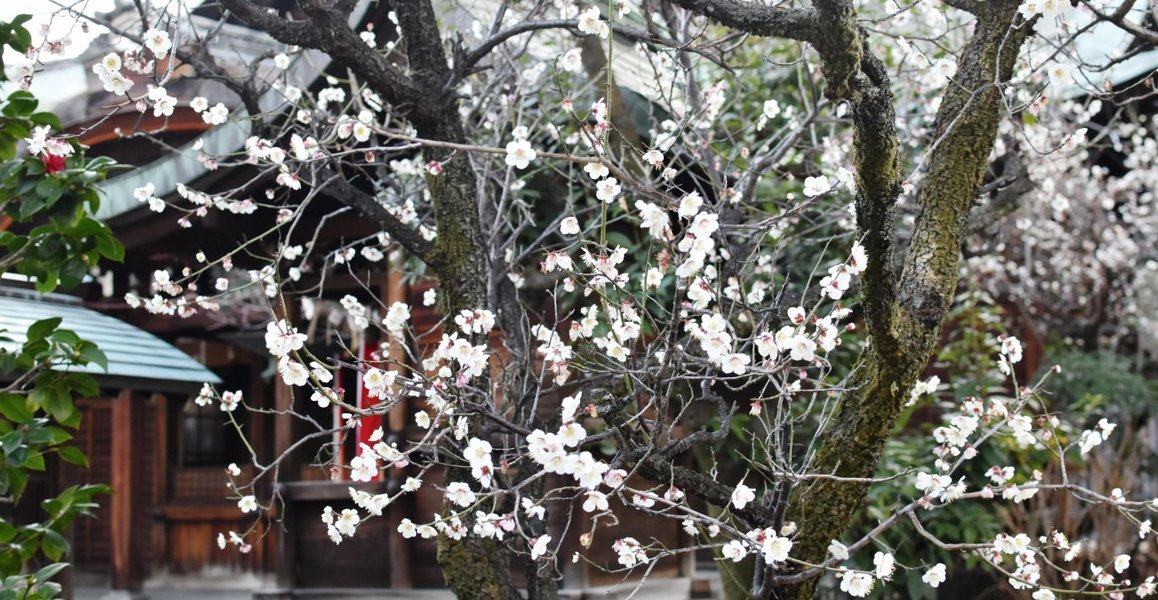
[[792, 23], [372, 209], [327, 30]]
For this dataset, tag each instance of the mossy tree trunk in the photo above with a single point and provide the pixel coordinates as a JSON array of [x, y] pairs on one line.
[[903, 312]]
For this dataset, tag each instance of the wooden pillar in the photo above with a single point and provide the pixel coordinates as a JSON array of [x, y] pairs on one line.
[[283, 439], [283, 428], [396, 291], [283, 422], [287, 537], [125, 460], [161, 467]]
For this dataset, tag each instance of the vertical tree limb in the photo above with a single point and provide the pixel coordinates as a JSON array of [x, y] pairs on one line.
[[966, 128]]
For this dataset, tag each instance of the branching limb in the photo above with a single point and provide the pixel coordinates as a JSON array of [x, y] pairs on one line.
[[301, 33], [1005, 192], [791, 23], [1120, 18], [372, 209], [327, 30]]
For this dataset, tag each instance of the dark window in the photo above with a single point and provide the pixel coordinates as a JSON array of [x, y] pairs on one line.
[[203, 435]]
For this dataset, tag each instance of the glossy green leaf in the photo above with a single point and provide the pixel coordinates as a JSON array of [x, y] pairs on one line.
[[73, 455]]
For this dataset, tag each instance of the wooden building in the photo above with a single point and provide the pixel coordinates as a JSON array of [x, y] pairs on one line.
[[123, 432]]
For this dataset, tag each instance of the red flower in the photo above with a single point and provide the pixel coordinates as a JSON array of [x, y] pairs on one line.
[[52, 163]]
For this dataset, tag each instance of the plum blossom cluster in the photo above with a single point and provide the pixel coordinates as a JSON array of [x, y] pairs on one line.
[[1084, 230]]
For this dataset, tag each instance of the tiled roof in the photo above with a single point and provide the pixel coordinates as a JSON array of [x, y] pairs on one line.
[[136, 358]]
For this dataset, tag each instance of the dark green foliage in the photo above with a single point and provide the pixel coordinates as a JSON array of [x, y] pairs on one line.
[[49, 237], [1102, 383]]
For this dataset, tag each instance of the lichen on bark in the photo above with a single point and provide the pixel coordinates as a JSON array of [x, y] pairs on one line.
[[476, 569]]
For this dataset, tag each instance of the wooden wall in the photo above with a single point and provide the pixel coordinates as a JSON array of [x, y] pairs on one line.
[[91, 548], [176, 512]]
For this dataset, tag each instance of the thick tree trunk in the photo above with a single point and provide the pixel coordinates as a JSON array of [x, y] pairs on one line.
[[474, 569], [905, 330]]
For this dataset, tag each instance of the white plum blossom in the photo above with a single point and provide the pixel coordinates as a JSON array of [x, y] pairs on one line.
[[799, 346], [293, 373], [596, 170], [838, 550], [217, 115], [734, 550], [591, 23], [520, 153], [163, 103], [378, 383], [111, 62], [571, 60], [532, 510], [607, 189], [281, 338], [1060, 74], [247, 504], [539, 547], [397, 317], [771, 109], [1010, 354], [654, 219], [775, 547], [815, 186], [460, 494], [935, 576], [478, 452], [157, 41], [476, 321], [921, 388], [742, 495], [364, 467], [654, 158], [944, 69], [690, 205], [230, 401], [408, 529], [630, 552], [595, 502], [856, 584], [884, 564], [734, 363], [205, 396], [113, 81]]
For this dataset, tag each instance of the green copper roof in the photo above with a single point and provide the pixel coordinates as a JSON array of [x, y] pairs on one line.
[[137, 358]]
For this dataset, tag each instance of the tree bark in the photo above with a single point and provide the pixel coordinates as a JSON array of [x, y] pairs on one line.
[[905, 329], [903, 314]]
